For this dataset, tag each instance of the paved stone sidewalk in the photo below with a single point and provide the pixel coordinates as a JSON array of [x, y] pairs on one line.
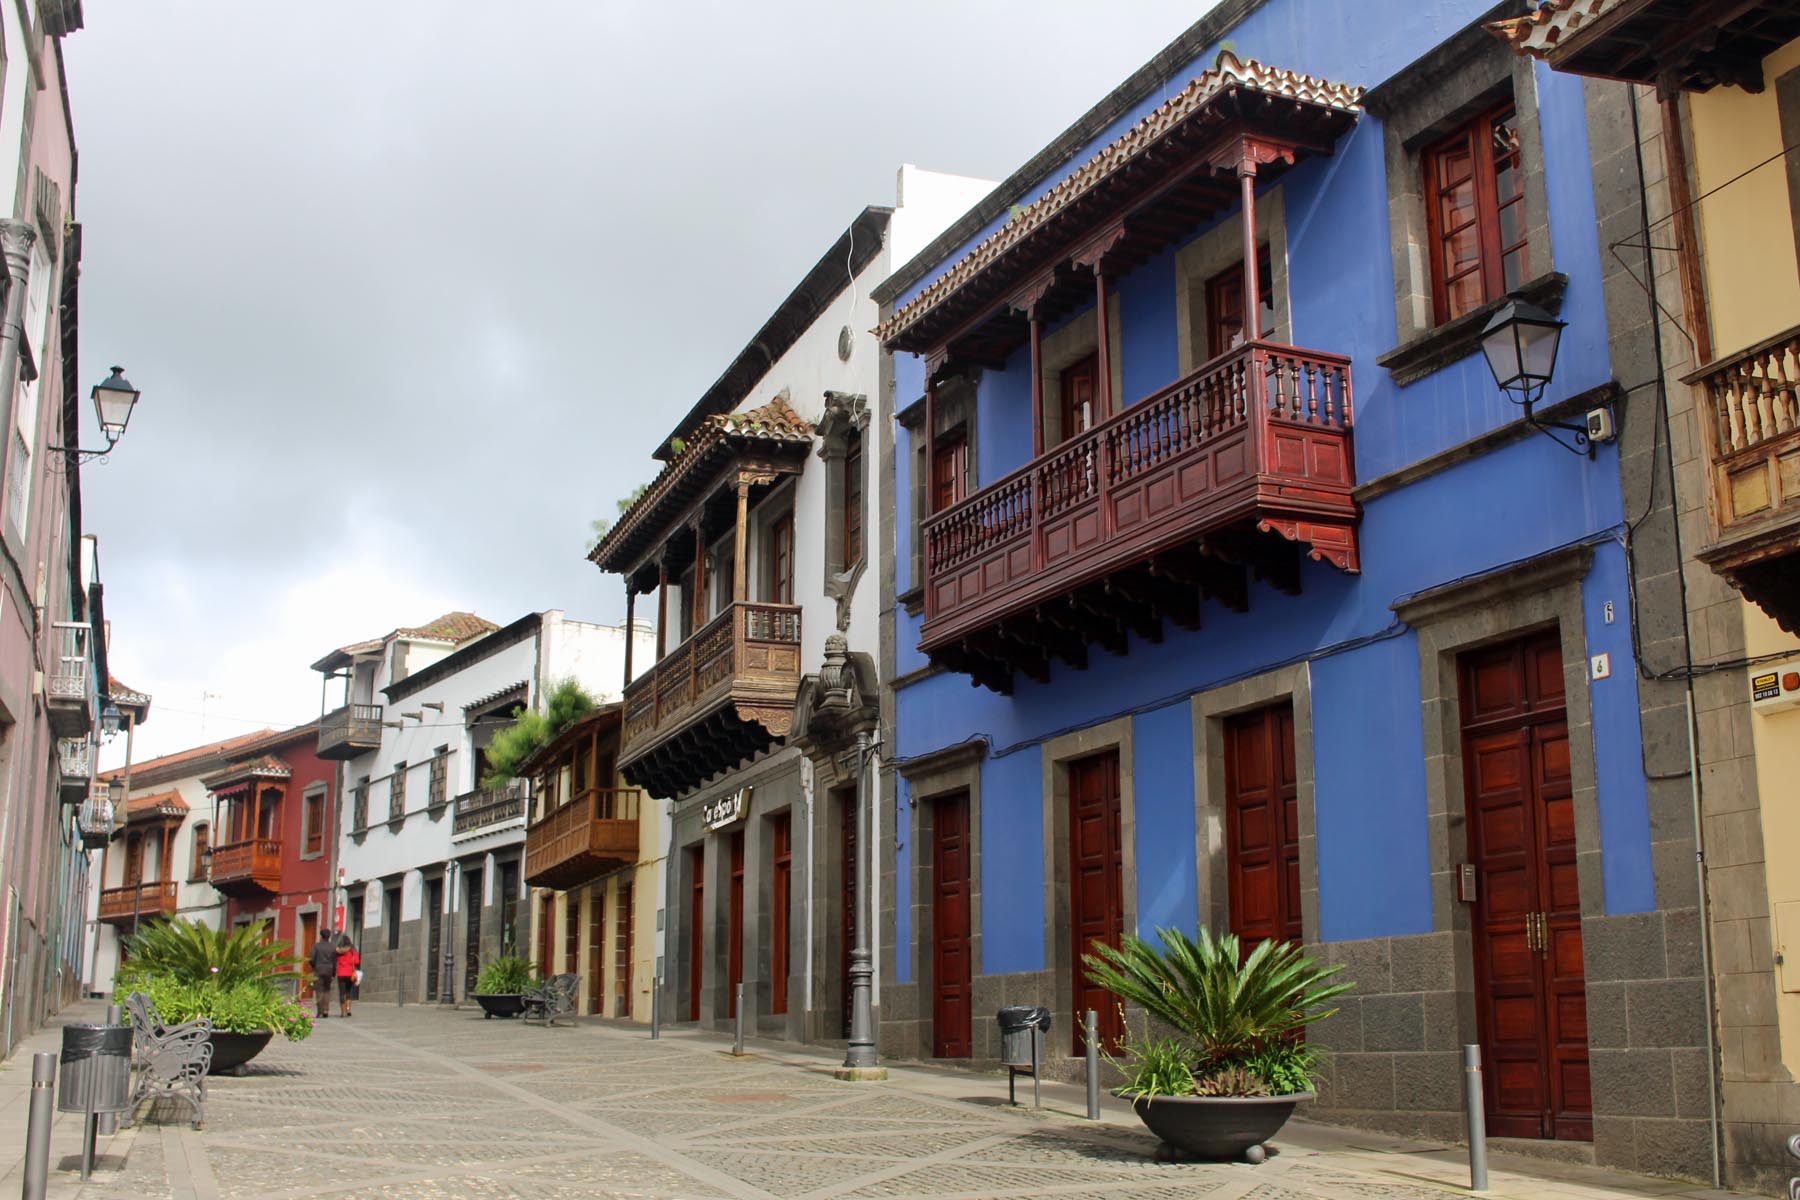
[[421, 1102]]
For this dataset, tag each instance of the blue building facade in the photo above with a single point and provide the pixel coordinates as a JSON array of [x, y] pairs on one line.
[[1385, 704]]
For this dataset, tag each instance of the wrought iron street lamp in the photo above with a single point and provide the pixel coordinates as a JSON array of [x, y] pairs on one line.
[[1520, 345], [110, 721], [114, 400]]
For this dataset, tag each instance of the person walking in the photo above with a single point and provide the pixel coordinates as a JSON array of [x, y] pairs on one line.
[[349, 972], [324, 968]]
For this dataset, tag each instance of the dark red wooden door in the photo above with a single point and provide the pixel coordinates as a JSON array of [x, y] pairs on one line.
[[1262, 826], [953, 1003], [547, 937], [696, 928], [1097, 892], [734, 922], [781, 837], [1225, 305], [949, 471], [1531, 988], [1080, 396]]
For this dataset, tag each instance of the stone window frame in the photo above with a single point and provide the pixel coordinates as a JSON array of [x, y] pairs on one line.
[[1470, 73], [928, 778], [846, 417], [1219, 249], [1058, 753], [1454, 619], [319, 792], [1074, 341], [1210, 709], [200, 853], [957, 406]]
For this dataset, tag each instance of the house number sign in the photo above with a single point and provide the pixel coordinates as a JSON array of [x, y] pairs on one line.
[[726, 810]]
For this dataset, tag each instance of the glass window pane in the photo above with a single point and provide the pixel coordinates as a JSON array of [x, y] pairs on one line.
[[1456, 206], [1513, 268], [1454, 163], [1465, 294], [1462, 250], [1512, 224]]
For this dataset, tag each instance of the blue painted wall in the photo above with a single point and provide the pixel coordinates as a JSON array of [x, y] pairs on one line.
[[1504, 507]]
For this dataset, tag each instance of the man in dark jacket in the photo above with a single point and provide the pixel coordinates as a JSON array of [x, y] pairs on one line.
[[324, 968]]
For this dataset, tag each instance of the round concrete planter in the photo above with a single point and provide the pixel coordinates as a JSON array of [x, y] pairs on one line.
[[500, 1004], [232, 1050], [1217, 1127]]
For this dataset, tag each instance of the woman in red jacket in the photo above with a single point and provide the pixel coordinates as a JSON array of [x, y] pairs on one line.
[[349, 972]]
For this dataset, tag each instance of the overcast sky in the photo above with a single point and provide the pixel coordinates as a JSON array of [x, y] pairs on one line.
[[412, 289]]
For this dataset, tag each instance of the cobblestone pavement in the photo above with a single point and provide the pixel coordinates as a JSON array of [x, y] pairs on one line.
[[422, 1102]]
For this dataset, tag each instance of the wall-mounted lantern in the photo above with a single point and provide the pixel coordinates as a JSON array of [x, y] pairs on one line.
[[1520, 344]]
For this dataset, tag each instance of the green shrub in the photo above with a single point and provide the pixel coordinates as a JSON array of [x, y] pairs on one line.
[[192, 952], [1157, 1067], [1287, 1067], [250, 1006], [568, 702], [508, 975]]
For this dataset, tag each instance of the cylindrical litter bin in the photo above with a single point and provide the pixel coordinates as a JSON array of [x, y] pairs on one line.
[[96, 1069], [1016, 1023]]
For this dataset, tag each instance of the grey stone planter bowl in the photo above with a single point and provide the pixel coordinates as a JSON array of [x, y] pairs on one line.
[[500, 1004], [1217, 1127]]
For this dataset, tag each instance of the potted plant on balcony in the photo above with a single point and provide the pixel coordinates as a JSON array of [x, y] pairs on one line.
[[501, 987], [1229, 1067], [231, 977]]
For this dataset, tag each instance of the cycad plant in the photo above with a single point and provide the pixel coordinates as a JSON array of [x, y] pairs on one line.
[[507, 975], [190, 952], [1237, 1015]]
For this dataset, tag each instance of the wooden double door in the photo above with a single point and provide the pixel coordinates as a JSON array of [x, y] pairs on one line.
[[1262, 826], [1096, 888], [953, 1005], [1531, 987]]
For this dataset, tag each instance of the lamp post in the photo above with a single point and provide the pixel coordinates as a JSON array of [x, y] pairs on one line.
[[114, 400], [860, 1059], [1520, 344]]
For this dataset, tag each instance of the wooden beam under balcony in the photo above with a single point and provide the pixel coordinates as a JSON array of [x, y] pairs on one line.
[[352, 730], [1750, 412], [247, 867], [722, 696], [595, 832], [1228, 474], [138, 902]]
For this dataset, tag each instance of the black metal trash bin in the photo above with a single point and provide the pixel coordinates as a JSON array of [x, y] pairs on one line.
[[95, 1075], [1016, 1023]]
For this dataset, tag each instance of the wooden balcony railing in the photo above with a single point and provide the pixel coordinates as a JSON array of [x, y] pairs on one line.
[[1257, 438], [253, 865], [139, 902], [595, 832], [352, 730], [484, 808], [1751, 414], [744, 663]]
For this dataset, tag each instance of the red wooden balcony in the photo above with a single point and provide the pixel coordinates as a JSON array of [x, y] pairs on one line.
[[722, 695], [247, 867], [1228, 472], [139, 902], [1751, 416], [595, 832]]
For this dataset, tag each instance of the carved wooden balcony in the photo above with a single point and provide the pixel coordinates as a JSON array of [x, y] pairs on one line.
[[247, 868], [486, 809], [352, 730], [1228, 472], [68, 695], [723, 695], [139, 903], [595, 832], [1751, 417]]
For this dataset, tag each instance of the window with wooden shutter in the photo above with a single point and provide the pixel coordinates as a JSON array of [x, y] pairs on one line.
[[853, 501], [312, 815], [949, 470], [202, 851], [1475, 213], [397, 793], [779, 561]]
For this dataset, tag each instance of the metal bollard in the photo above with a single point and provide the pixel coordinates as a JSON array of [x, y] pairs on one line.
[[1475, 1105], [737, 1036], [656, 1008], [1037, 1067], [37, 1127], [1093, 1064], [109, 1122]]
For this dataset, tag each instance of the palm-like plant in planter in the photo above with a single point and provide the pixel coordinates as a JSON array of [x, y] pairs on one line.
[[501, 987], [1232, 1066]]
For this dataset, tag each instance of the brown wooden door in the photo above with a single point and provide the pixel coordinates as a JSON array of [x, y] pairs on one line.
[[1225, 305], [1080, 397], [471, 930], [622, 971], [1531, 994], [952, 1002], [781, 838], [547, 936], [734, 931], [696, 928], [309, 936], [1262, 826], [597, 954], [949, 470], [1096, 894]]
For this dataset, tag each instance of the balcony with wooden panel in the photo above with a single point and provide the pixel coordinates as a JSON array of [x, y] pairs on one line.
[[1750, 417], [136, 903], [247, 868], [486, 810], [596, 831], [1237, 470], [723, 695], [351, 731]]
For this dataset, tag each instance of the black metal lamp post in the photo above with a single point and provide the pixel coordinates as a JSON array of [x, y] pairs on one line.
[[1520, 345], [860, 1059], [114, 399]]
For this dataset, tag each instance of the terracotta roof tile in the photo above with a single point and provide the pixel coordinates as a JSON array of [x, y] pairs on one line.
[[1537, 32], [1228, 73], [195, 755], [263, 766], [155, 804], [457, 627]]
